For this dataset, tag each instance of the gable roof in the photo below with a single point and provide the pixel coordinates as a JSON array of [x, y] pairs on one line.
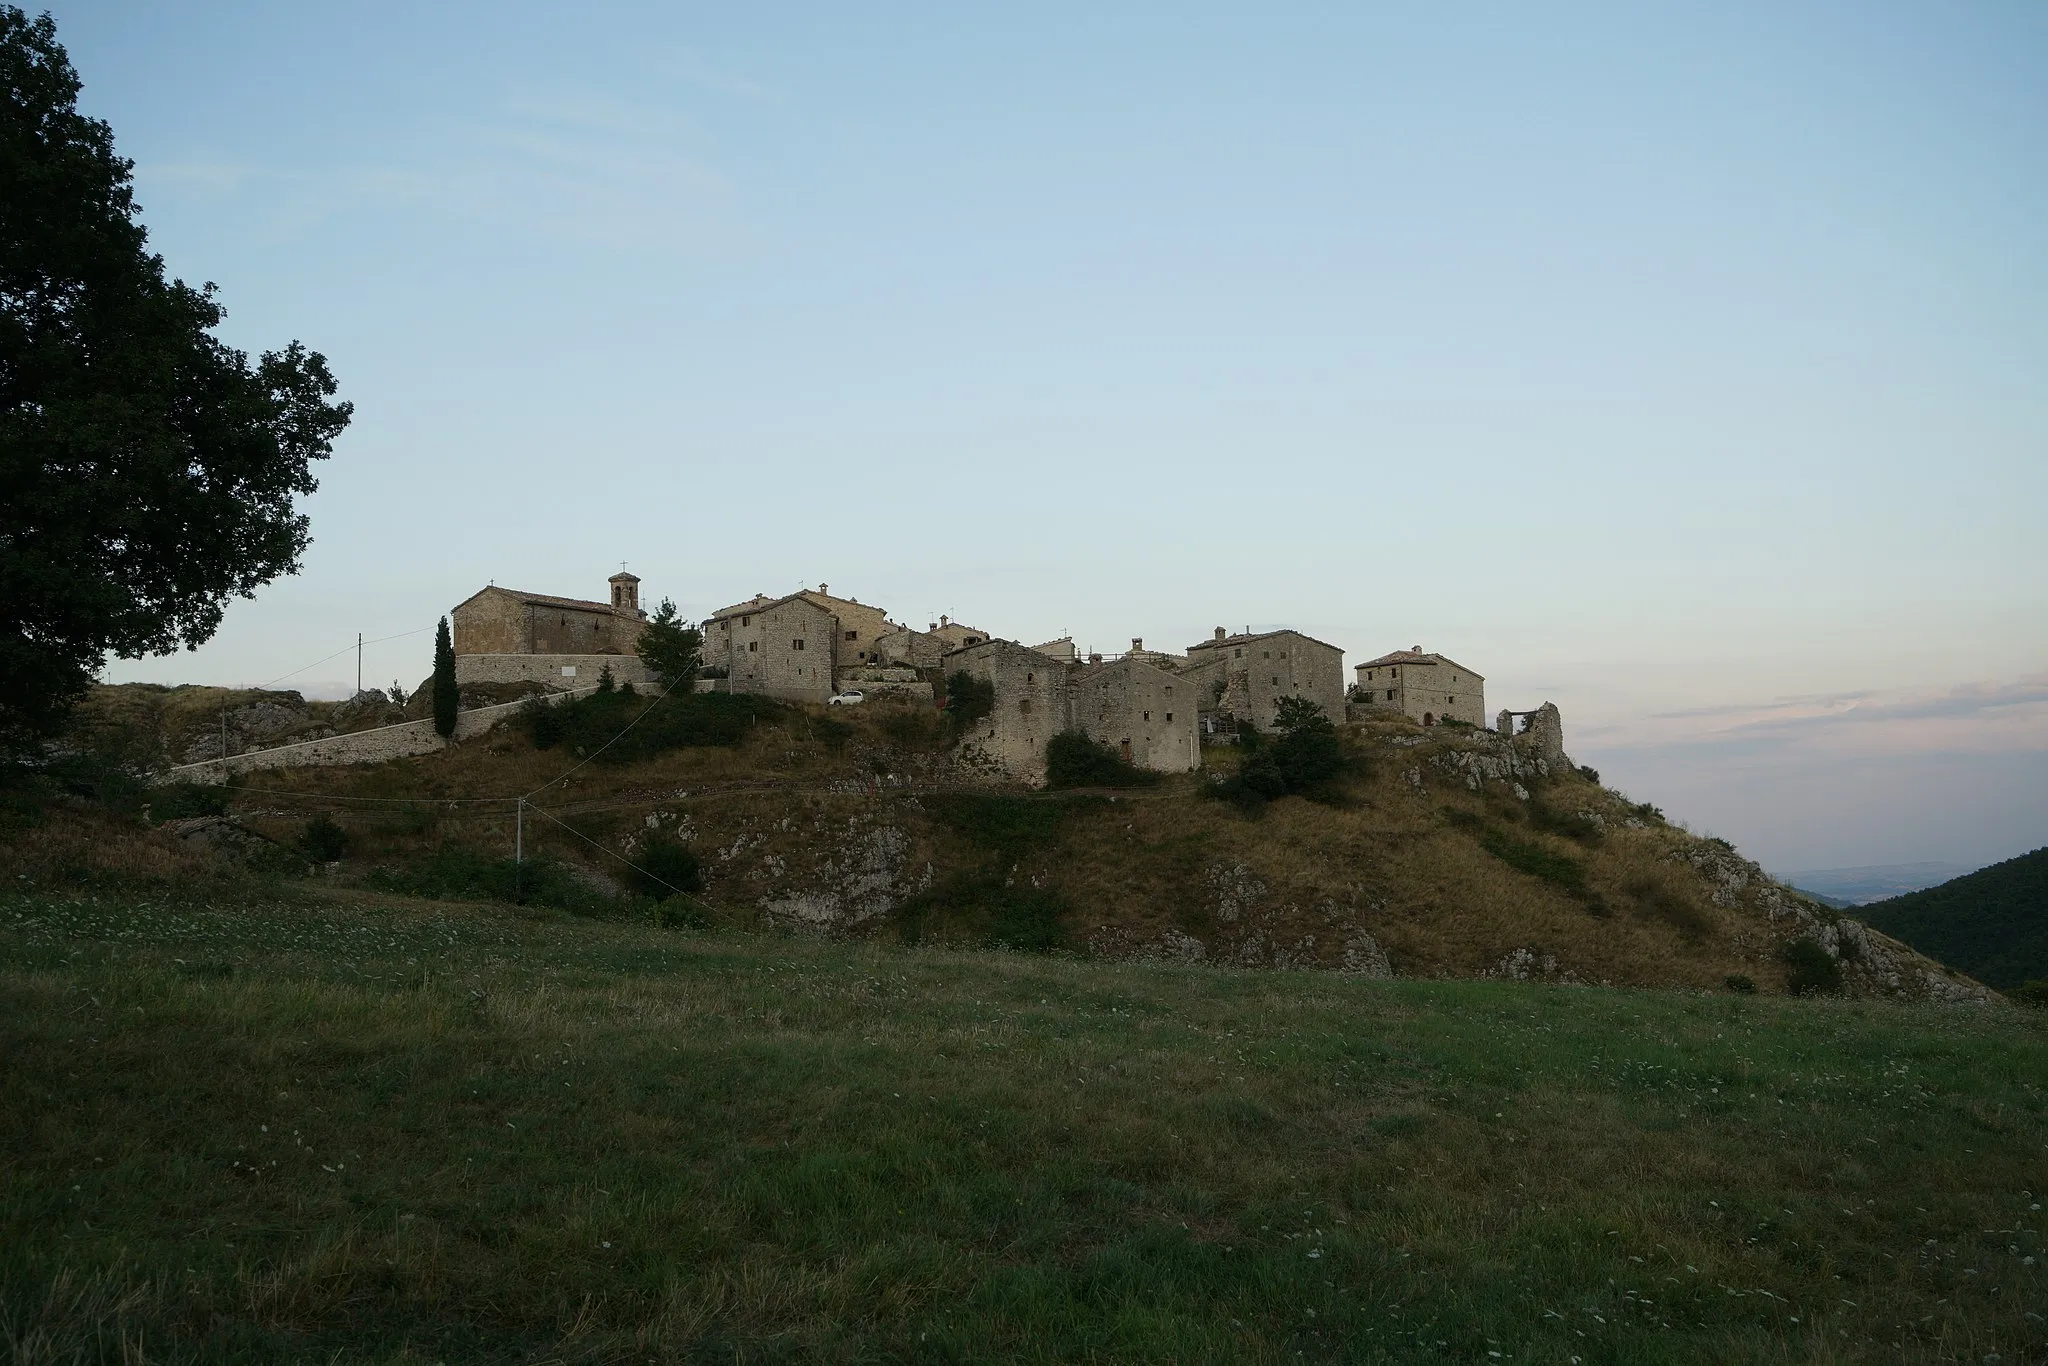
[[993, 643], [1247, 639], [539, 600], [1414, 657], [761, 604]]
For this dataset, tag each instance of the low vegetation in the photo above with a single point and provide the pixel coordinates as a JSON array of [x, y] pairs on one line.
[[347, 1126], [1074, 760]]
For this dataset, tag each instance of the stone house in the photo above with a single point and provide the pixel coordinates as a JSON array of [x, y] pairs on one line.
[[785, 647], [1244, 676], [1146, 713], [1428, 687], [504, 635], [1030, 706], [902, 647]]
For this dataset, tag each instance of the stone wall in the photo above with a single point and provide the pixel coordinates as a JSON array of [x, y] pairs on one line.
[[1426, 692], [787, 650], [1263, 668], [563, 673], [1144, 713], [363, 747], [1030, 708]]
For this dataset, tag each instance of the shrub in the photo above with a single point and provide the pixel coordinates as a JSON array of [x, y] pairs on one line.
[[322, 840], [1304, 758], [913, 728], [1533, 859], [1570, 824], [1736, 982], [1590, 774], [1074, 760], [664, 867], [179, 801], [2034, 993], [1657, 898], [463, 874], [1814, 971], [588, 725]]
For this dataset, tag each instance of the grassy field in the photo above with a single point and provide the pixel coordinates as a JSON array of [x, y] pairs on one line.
[[268, 1124]]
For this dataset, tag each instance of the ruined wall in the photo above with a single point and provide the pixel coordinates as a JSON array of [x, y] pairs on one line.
[[1030, 708], [560, 672], [1145, 713], [362, 747]]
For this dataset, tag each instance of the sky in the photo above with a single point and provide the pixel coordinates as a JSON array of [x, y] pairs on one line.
[[1679, 364]]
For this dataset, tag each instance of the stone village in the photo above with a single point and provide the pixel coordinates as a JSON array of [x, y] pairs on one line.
[[1154, 708]]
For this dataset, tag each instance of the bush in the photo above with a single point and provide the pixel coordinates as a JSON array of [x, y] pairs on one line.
[[1303, 758], [1814, 971], [664, 867], [1657, 897], [1570, 824], [322, 840], [1074, 760], [588, 725], [180, 801], [985, 910], [1736, 982], [2034, 993], [453, 874], [1590, 774]]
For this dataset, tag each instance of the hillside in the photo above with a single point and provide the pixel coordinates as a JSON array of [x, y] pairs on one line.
[[1992, 924], [1444, 854], [301, 1123]]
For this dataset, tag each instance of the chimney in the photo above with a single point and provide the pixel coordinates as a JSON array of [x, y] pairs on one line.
[[945, 620], [1137, 645], [931, 626], [826, 589], [1416, 648], [1219, 633], [1094, 658]]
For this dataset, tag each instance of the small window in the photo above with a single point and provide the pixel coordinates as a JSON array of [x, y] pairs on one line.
[[1265, 654], [1394, 672], [1390, 694], [853, 635], [746, 621], [1237, 654], [1169, 718], [797, 644], [1276, 680], [974, 640], [1148, 716], [1028, 678], [753, 646]]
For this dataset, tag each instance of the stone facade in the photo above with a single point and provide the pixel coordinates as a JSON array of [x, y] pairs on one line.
[[562, 673], [785, 648], [861, 625], [1427, 687], [1245, 676], [506, 621], [1030, 707], [1145, 713]]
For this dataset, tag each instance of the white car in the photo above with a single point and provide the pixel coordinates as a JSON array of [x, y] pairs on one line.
[[852, 697]]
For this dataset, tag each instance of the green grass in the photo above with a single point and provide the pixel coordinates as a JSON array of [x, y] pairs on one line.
[[263, 1126]]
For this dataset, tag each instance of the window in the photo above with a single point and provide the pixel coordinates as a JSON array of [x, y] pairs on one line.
[[1169, 718], [797, 644], [753, 646], [1028, 678], [1148, 716], [853, 635], [1265, 654], [1390, 694], [1448, 700], [1276, 680], [1237, 654], [974, 640], [1394, 672], [746, 621]]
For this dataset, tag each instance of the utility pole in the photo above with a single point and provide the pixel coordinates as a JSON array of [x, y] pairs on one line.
[[518, 846], [359, 661]]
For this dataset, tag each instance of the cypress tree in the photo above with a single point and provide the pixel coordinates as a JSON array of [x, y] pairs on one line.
[[447, 698]]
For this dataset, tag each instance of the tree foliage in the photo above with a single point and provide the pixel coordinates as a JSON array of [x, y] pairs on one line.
[[1074, 760], [447, 696], [671, 648], [968, 699], [150, 470], [1303, 758]]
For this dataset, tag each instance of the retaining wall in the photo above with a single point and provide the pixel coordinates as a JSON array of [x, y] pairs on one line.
[[363, 747]]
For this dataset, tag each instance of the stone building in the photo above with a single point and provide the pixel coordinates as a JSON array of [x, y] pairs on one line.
[[1245, 676], [503, 635], [1030, 706], [1145, 713], [906, 648], [1428, 687], [785, 647]]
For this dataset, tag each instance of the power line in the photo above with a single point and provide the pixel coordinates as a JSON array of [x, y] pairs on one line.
[[606, 745], [612, 852]]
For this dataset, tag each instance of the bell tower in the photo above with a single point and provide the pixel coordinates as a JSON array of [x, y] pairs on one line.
[[626, 593]]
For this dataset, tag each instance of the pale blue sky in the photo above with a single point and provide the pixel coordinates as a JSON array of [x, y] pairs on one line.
[[1680, 363]]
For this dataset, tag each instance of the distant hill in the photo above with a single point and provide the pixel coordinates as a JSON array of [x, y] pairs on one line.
[[1861, 886], [1992, 924]]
